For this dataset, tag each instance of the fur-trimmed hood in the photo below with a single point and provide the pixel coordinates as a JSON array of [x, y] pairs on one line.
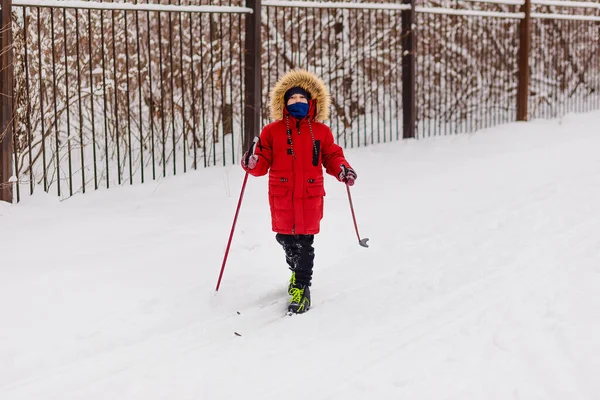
[[307, 81]]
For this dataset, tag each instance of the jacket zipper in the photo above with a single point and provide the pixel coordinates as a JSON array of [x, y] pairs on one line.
[[294, 183]]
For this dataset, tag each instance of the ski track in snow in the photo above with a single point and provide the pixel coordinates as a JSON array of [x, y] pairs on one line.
[[480, 283]]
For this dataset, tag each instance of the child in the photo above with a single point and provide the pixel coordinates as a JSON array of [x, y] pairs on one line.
[[294, 149]]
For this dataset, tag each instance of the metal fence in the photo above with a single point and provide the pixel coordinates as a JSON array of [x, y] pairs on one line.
[[565, 65], [465, 72], [113, 93], [112, 96], [362, 70]]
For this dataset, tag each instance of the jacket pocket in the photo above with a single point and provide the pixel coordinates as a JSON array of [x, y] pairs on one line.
[[313, 198], [315, 191], [280, 197]]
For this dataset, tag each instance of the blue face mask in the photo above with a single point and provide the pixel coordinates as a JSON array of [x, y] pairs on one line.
[[298, 110]]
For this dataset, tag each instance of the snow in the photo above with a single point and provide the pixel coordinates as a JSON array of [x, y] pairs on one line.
[[375, 6], [565, 17], [96, 5], [564, 3], [331, 5], [477, 13], [480, 282], [502, 2]]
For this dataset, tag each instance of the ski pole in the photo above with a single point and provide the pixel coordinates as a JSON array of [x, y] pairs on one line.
[[362, 242], [237, 211]]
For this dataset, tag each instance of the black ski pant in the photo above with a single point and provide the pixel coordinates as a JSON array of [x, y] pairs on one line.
[[299, 255]]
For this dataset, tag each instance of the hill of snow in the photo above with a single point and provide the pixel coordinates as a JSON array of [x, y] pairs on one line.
[[481, 281]]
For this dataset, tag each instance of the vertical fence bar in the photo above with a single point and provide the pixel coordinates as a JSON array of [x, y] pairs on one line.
[[202, 102], [163, 138], [299, 41], [334, 85], [184, 127], [467, 41], [391, 45], [596, 67], [6, 114], [560, 66], [464, 108], [445, 75], [355, 104], [252, 77], [15, 153], [277, 46], [130, 145], [363, 75], [104, 101], [381, 56], [427, 51], [310, 44], [55, 121], [152, 105], [231, 106], [172, 87], [213, 125], [28, 92], [568, 98], [341, 82], [148, 82], [241, 70], [80, 109], [524, 49], [397, 75], [41, 89], [222, 83], [376, 76], [193, 89], [68, 101], [369, 51], [408, 71], [269, 50], [91, 86]]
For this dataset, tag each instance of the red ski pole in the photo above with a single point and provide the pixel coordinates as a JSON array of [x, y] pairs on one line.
[[237, 211], [362, 242]]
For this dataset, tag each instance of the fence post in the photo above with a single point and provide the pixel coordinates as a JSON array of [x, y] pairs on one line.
[[408, 71], [6, 104], [524, 50], [252, 73]]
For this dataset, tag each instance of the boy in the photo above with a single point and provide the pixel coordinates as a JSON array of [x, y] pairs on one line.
[[293, 150]]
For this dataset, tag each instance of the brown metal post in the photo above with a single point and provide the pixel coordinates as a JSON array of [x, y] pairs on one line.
[[409, 110], [524, 50], [252, 73], [6, 105]]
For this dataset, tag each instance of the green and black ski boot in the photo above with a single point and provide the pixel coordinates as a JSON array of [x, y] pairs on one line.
[[300, 301]]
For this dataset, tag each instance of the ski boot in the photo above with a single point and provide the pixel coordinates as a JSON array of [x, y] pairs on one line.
[[300, 301]]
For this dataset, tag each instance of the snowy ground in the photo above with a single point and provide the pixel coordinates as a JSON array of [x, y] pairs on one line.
[[481, 281]]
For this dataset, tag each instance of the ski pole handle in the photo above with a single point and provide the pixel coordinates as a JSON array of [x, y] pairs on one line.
[[251, 150]]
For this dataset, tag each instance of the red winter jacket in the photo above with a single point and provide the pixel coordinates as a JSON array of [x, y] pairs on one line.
[[294, 153]]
